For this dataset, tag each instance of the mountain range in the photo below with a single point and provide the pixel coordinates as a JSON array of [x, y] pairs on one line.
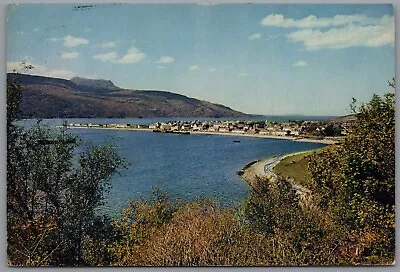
[[46, 97]]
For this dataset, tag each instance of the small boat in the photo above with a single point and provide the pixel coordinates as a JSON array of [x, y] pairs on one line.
[[236, 141]]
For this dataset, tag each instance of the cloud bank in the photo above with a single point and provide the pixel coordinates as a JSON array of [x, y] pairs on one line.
[[39, 70], [300, 63], [133, 55], [70, 55], [166, 60], [340, 31]]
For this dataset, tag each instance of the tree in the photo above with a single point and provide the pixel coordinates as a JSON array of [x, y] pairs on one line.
[[272, 205], [301, 235], [356, 181], [332, 130], [53, 196]]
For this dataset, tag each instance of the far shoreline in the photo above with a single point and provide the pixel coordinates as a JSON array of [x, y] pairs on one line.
[[325, 141]]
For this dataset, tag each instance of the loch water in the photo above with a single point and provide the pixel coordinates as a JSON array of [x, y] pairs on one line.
[[185, 166]]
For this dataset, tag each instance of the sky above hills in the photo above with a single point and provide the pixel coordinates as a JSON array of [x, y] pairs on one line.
[[256, 58]]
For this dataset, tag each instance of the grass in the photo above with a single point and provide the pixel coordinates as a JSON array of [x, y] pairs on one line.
[[296, 167]]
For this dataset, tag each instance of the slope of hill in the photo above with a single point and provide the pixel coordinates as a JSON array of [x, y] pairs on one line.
[[344, 119], [45, 97]]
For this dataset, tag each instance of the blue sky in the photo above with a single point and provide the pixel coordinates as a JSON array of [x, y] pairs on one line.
[[258, 58]]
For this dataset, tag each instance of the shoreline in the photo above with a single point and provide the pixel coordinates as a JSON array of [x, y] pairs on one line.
[[264, 168], [291, 138]]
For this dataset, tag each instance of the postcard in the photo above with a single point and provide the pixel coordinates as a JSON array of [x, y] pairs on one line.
[[200, 135]]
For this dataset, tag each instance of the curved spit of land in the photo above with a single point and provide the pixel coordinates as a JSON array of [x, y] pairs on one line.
[[264, 169]]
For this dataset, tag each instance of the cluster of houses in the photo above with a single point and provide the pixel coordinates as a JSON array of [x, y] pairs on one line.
[[291, 128], [297, 128]]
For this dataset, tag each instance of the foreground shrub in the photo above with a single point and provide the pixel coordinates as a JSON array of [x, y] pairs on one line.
[[53, 193], [203, 233], [355, 183], [307, 235], [199, 234]]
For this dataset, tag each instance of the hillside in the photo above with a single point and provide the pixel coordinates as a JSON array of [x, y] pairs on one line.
[[45, 97], [344, 119]]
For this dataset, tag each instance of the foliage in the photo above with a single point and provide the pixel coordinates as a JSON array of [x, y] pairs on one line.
[[356, 182], [28, 241], [306, 234], [199, 234], [14, 97], [52, 195], [260, 124], [193, 234], [272, 205], [332, 130], [138, 222], [202, 233]]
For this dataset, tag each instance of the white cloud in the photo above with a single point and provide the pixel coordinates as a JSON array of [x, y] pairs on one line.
[[12, 66], [70, 41], [87, 29], [348, 36], [20, 66], [92, 76], [212, 69], [39, 70], [194, 68], [108, 45], [36, 29], [166, 60], [133, 55], [340, 31], [60, 73], [312, 21], [106, 57], [69, 55], [243, 74], [255, 36], [161, 67], [300, 63]]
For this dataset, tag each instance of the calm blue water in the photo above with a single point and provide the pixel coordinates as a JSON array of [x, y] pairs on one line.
[[186, 166]]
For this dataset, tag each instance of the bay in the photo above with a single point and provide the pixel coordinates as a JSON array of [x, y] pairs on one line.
[[186, 166]]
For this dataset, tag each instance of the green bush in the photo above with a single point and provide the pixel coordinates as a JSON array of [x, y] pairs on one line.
[[355, 183]]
